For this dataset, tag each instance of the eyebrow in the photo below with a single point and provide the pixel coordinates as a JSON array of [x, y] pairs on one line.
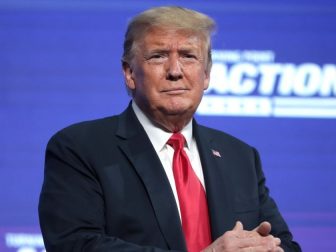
[[166, 50]]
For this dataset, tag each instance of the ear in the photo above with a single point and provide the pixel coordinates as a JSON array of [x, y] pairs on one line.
[[128, 75], [207, 78]]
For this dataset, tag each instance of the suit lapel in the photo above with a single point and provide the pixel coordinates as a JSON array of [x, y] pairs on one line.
[[138, 148], [215, 170]]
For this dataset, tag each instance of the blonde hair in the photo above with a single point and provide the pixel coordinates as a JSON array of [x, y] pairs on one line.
[[172, 17]]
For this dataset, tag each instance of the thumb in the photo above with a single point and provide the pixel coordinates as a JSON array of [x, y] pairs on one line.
[[238, 226], [264, 228]]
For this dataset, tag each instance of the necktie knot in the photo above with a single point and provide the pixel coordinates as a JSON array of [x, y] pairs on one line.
[[176, 141]]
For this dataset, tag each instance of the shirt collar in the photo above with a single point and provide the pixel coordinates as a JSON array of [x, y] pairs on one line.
[[158, 136]]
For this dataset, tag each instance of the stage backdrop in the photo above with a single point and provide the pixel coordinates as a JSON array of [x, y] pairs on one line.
[[273, 85]]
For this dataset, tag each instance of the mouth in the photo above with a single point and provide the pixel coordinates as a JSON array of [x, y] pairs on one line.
[[175, 91]]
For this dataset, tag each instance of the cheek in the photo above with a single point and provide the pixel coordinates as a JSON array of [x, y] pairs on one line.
[[138, 75], [153, 77], [147, 87], [201, 78]]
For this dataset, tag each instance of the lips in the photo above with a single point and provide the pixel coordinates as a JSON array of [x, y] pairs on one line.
[[174, 90]]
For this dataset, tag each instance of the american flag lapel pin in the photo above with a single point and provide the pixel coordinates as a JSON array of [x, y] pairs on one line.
[[216, 153]]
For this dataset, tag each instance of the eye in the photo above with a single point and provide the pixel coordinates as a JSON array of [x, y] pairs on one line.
[[189, 56], [156, 56]]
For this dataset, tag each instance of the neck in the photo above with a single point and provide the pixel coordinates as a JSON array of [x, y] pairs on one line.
[[173, 123], [168, 122]]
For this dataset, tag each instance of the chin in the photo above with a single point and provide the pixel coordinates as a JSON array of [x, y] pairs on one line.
[[179, 110]]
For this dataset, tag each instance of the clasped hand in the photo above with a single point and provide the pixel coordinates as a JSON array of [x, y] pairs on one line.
[[240, 240]]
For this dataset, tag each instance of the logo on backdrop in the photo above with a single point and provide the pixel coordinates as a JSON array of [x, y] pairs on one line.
[[23, 242], [252, 83]]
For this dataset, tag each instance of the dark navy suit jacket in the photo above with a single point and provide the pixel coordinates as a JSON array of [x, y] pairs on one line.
[[105, 189]]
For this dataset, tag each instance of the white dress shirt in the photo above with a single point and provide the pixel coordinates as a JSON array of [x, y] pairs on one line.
[[159, 138]]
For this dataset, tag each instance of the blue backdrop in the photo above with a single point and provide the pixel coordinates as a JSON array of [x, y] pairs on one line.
[[273, 85]]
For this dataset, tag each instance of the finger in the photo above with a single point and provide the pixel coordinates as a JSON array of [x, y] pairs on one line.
[[277, 241], [260, 249], [238, 226], [264, 228], [268, 242], [255, 249], [279, 249]]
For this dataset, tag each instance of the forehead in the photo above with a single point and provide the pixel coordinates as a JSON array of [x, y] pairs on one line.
[[169, 37]]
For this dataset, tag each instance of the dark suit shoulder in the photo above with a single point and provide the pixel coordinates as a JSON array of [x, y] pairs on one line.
[[222, 137], [86, 140], [88, 130]]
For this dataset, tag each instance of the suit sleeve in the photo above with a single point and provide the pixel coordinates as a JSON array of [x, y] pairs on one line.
[[269, 212], [71, 206]]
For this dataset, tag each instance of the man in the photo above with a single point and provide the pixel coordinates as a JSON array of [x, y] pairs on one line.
[[151, 178]]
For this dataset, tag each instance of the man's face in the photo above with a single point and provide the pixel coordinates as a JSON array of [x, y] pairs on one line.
[[168, 73]]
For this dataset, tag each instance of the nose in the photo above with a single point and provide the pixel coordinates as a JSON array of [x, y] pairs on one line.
[[174, 69]]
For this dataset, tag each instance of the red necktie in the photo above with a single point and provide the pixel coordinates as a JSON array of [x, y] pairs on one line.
[[192, 199]]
